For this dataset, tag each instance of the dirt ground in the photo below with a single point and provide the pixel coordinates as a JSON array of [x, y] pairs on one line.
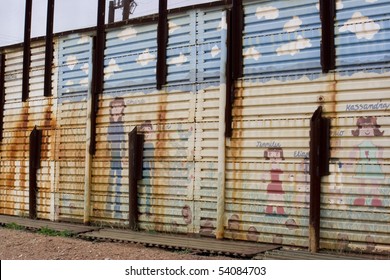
[[23, 245]]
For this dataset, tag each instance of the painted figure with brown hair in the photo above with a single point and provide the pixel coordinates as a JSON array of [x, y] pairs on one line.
[[117, 141], [274, 189], [367, 168]]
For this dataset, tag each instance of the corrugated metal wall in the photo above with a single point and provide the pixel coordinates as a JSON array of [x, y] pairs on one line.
[[356, 196], [267, 158], [74, 57], [19, 120], [267, 172]]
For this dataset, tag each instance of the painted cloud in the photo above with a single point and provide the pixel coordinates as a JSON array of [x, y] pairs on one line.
[[179, 60], [71, 61], [363, 27], [215, 51], [222, 24], [173, 27], [292, 25], [85, 68], [268, 12], [83, 40], [252, 53], [127, 34], [111, 69], [294, 47], [145, 58]]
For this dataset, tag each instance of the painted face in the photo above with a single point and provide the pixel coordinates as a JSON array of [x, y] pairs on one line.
[[147, 131], [117, 111], [186, 212], [366, 130], [274, 155]]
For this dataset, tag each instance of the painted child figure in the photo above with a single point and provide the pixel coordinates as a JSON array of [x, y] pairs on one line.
[[368, 168], [274, 189]]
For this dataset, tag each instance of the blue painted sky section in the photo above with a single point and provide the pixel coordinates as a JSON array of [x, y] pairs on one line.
[[363, 34], [130, 57], [181, 50], [281, 37], [74, 54], [211, 27]]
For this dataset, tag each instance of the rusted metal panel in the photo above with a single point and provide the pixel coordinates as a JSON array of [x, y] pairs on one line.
[[355, 200]]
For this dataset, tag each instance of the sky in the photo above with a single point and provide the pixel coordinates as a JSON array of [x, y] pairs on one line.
[[68, 15]]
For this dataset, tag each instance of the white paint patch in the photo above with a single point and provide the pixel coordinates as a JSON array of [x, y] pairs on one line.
[[215, 51], [363, 27], [71, 61], [252, 53], [84, 82], [294, 47], [127, 34], [268, 12], [371, 1], [293, 24], [222, 24], [179, 60], [84, 39], [173, 27], [111, 69], [145, 58], [85, 68], [69, 83]]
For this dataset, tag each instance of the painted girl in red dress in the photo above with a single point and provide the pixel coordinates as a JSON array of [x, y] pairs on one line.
[[274, 189]]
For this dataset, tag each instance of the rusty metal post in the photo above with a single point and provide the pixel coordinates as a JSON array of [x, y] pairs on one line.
[[34, 165], [126, 9], [135, 173], [98, 70], [162, 40], [235, 24], [2, 93], [328, 51], [49, 48], [26, 51], [111, 12], [319, 166]]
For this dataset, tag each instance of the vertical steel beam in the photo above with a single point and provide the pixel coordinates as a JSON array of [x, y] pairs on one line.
[[328, 51], [111, 12], [319, 166], [34, 165], [2, 93], [98, 70], [26, 51], [237, 27], [49, 48], [235, 23], [135, 173], [229, 77], [126, 9], [162, 41]]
